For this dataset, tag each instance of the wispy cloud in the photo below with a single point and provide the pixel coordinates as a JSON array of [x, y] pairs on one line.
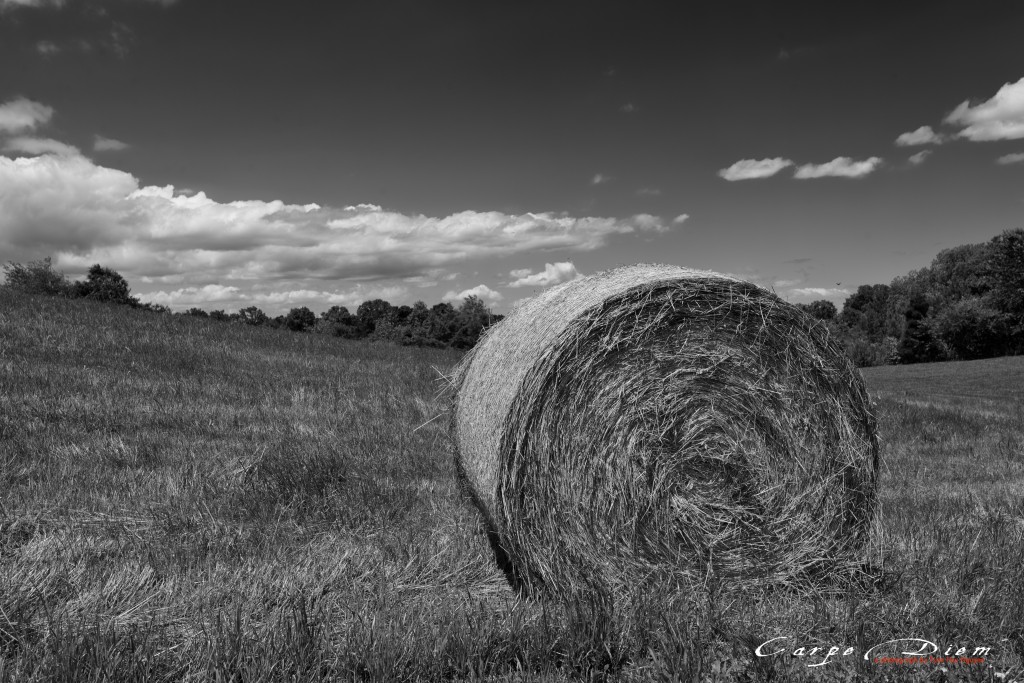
[[229, 297], [599, 179], [1015, 158], [750, 169], [1001, 117], [482, 291], [12, 4], [36, 146], [922, 136], [840, 167], [629, 108], [102, 144], [47, 48], [648, 192], [552, 274], [680, 219], [823, 292], [918, 159], [22, 114]]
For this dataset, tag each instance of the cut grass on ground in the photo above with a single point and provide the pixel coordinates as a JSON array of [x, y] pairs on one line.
[[182, 499]]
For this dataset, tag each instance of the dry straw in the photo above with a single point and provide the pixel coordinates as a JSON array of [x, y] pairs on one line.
[[655, 422]]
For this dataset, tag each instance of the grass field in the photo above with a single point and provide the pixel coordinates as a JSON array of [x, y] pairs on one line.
[[182, 499]]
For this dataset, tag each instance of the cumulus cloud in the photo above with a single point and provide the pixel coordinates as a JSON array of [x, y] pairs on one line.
[[102, 144], [922, 136], [85, 213], [552, 274], [21, 114], [37, 146], [1015, 158], [599, 179], [482, 291], [749, 169], [821, 292], [680, 219], [918, 159], [63, 204], [999, 118], [840, 167]]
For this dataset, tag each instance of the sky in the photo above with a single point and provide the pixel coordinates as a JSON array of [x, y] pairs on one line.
[[234, 153]]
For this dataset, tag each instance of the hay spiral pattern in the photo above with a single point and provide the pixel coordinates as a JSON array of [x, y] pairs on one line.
[[655, 421]]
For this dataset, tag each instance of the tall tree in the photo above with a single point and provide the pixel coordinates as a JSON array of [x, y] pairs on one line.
[[370, 313], [300, 319], [104, 284], [867, 310], [251, 315]]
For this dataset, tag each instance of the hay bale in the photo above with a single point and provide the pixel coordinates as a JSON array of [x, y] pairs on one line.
[[656, 421]]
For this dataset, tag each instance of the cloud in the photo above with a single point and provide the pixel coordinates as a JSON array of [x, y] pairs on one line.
[[36, 146], [1015, 158], [187, 296], [786, 283], [47, 48], [680, 219], [918, 159], [999, 118], [102, 144], [629, 108], [63, 204], [819, 292], [648, 192], [482, 291], [922, 136], [11, 4], [21, 114], [552, 274], [749, 169], [840, 167], [84, 213], [599, 179], [272, 301]]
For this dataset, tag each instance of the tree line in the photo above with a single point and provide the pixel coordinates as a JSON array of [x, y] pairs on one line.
[[968, 304], [440, 326]]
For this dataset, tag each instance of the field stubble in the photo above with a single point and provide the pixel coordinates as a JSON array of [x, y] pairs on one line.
[[182, 499]]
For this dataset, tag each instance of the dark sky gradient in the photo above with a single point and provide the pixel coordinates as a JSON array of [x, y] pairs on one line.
[[438, 108]]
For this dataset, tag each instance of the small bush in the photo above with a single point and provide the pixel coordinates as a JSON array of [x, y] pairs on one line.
[[37, 277]]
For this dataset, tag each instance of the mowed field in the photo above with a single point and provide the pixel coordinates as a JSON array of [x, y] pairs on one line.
[[182, 499]]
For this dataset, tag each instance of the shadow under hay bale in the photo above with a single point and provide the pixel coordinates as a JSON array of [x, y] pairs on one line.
[[654, 423]]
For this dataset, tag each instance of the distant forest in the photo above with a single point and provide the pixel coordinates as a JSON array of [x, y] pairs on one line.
[[968, 304]]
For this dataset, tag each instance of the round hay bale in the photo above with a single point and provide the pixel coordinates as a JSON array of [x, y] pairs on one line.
[[659, 422]]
